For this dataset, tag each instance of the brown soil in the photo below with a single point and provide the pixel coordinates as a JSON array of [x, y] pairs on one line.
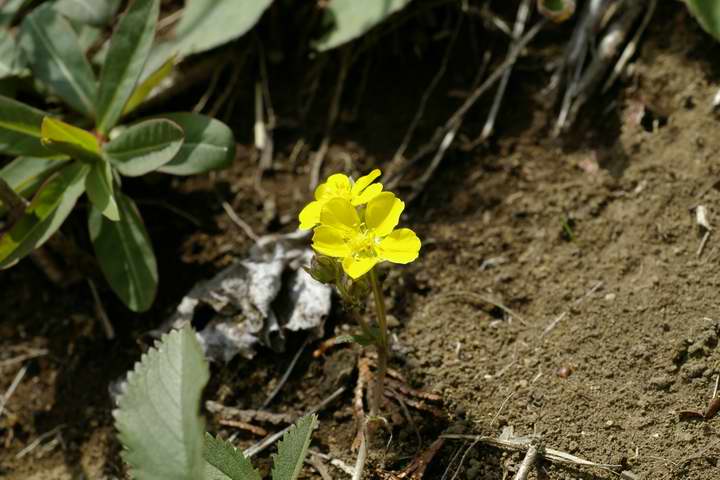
[[592, 241]]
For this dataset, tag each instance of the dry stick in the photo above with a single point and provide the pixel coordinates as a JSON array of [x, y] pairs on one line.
[[332, 117], [518, 29], [317, 463], [362, 455], [577, 302], [631, 47], [335, 462], [11, 389], [287, 373], [21, 358], [100, 311], [527, 463], [230, 88], [267, 441], [247, 229], [607, 49], [550, 454], [214, 80], [34, 444], [462, 459], [426, 97], [454, 122]]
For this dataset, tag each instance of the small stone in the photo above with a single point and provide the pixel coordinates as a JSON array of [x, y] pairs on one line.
[[392, 321], [610, 297]]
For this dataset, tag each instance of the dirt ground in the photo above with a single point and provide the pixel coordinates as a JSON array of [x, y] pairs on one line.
[[590, 241]]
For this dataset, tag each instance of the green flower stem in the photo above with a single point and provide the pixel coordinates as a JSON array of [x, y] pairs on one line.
[[382, 346]]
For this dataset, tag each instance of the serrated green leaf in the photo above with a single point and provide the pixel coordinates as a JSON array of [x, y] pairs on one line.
[[125, 254], [293, 448], [209, 145], [147, 85], [96, 13], [144, 147], [26, 174], [352, 18], [99, 187], [20, 129], [707, 13], [45, 214], [129, 49], [57, 59], [226, 462], [63, 138], [158, 414]]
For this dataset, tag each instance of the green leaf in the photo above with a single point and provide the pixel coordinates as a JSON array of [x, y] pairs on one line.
[[158, 414], [207, 24], [292, 449], [45, 214], [129, 49], [125, 254], [707, 13], [67, 139], [226, 462], [352, 18], [209, 145], [9, 9], [144, 147], [26, 174], [20, 129], [11, 62], [96, 13], [57, 59], [146, 86], [100, 190]]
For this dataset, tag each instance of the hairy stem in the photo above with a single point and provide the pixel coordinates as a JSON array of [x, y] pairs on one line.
[[382, 346]]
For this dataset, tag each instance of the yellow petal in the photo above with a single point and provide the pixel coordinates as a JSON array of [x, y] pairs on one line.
[[368, 194], [337, 185], [383, 213], [340, 214], [364, 181], [357, 267], [401, 246], [329, 241], [310, 215]]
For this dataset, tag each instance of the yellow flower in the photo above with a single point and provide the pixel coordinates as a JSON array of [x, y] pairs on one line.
[[340, 186], [362, 243]]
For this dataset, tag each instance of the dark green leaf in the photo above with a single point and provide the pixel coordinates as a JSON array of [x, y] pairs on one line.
[[9, 9], [11, 62], [144, 147], [45, 214], [97, 13], [226, 462], [20, 129], [99, 187], [707, 13], [125, 254], [158, 414], [352, 18], [26, 174], [67, 139], [57, 59], [293, 448], [206, 24], [147, 85], [209, 145], [129, 49]]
